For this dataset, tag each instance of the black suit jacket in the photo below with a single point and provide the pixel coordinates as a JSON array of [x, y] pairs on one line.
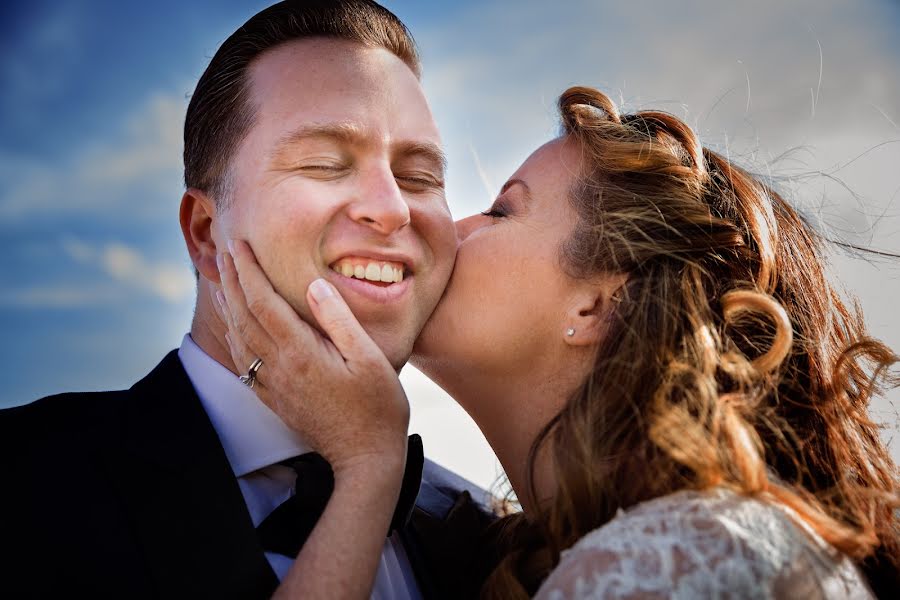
[[129, 494]]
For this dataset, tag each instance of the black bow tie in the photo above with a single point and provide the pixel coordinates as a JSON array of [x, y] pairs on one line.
[[286, 529]]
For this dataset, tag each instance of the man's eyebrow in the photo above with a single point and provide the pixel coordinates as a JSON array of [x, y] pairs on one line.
[[349, 133], [427, 150], [343, 132]]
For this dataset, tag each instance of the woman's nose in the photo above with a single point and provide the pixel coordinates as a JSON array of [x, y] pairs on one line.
[[464, 227]]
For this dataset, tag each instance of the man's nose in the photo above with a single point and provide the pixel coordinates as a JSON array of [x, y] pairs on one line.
[[380, 204]]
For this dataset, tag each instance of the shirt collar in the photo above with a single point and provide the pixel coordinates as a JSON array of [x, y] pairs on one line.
[[252, 435]]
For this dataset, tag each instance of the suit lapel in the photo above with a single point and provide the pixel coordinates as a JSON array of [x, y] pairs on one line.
[[191, 522], [186, 508]]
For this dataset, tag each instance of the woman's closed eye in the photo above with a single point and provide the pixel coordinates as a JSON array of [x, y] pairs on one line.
[[497, 211]]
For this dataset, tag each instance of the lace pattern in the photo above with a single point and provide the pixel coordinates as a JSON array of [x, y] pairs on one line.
[[715, 544]]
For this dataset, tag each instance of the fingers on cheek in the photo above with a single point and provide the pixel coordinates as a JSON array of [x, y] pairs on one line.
[[230, 343], [234, 347], [222, 305], [226, 275], [231, 287], [250, 339], [260, 311]]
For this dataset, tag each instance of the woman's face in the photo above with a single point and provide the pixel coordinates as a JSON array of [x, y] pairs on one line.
[[504, 310]]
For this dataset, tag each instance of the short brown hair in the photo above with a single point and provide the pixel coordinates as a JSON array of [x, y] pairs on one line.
[[220, 113]]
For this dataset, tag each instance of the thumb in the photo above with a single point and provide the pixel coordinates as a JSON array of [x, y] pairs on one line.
[[337, 321]]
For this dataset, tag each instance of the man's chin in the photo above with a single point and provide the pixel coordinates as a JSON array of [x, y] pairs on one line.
[[398, 362], [399, 354], [393, 330], [397, 351]]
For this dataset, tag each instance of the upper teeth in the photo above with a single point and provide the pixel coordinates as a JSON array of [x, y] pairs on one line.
[[371, 270]]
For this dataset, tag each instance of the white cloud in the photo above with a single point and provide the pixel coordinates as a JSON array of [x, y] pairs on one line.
[[103, 175], [493, 73], [171, 282], [153, 145]]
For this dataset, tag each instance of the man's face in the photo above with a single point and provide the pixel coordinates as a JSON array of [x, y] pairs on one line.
[[341, 177]]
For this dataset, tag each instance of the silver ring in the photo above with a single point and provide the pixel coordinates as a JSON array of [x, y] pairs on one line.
[[250, 378]]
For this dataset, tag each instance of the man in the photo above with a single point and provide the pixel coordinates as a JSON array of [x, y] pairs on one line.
[[308, 136]]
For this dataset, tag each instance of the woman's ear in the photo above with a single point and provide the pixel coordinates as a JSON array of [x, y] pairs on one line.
[[588, 314], [197, 217]]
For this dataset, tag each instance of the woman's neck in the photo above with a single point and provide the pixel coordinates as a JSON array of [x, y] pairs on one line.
[[510, 411]]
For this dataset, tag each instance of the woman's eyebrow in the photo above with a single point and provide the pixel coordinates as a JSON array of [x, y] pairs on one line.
[[513, 182]]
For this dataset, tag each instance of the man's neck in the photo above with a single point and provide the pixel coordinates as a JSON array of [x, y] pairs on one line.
[[208, 329]]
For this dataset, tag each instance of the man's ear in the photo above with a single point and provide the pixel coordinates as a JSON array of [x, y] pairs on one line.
[[591, 303], [197, 217]]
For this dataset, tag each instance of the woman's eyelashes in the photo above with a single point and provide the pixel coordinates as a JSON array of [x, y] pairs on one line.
[[497, 211]]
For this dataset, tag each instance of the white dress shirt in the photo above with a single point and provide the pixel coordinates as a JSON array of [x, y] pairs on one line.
[[255, 439]]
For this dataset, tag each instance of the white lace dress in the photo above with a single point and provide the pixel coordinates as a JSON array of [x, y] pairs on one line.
[[714, 544]]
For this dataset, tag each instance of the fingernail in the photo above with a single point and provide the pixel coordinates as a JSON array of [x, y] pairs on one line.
[[231, 246], [220, 262], [320, 290], [221, 298]]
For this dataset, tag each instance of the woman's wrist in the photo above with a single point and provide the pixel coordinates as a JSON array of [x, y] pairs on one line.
[[348, 541], [382, 466], [373, 484]]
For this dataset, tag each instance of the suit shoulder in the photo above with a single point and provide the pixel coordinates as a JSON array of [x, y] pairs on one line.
[[54, 416], [451, 485], [64, 404], [444, 478]]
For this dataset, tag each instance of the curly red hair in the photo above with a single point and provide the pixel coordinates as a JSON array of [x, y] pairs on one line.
[[731, 360]]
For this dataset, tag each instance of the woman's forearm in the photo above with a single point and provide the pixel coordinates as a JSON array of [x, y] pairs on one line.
[[340, 558]]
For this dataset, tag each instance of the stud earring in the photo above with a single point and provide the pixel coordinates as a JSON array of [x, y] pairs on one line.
[[570, 331]]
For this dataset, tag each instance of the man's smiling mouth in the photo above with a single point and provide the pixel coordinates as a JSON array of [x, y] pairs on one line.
[[373, 271]]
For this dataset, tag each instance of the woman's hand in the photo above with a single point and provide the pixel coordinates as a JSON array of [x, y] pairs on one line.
[[341, 394]]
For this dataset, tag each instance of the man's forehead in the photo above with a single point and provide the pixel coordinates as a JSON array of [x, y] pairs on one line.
[[322, 64], [339, 88]]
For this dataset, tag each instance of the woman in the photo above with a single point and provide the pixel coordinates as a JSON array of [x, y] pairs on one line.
[[645, 335]]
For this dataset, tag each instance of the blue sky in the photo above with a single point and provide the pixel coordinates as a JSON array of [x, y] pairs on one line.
[[95, 285]]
